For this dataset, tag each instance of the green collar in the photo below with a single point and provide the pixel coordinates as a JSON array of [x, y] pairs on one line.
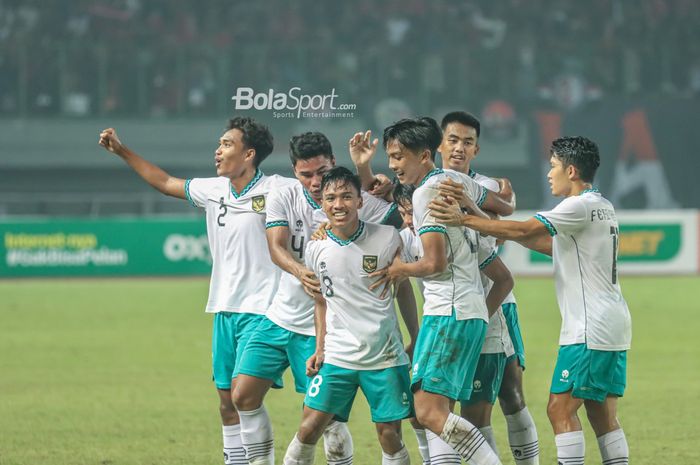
[[430, 174], [356, 234], [311, 200], [594, 190], [249, 186]]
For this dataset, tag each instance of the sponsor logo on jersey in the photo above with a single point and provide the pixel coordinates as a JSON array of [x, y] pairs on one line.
[[258, 203], [369, 263]]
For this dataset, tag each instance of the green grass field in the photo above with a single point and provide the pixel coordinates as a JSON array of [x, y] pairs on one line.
[[112, 372]]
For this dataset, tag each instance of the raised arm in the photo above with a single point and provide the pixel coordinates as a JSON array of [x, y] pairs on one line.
[[152, 174], [277, 239], [362, 149]]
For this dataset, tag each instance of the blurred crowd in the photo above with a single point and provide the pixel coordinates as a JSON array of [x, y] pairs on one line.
[[186, 57]]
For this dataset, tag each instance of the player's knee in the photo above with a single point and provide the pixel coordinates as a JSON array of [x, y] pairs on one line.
[[428, 417], [228, 413], [511, 399], [310, 431], [245, 399], [389, 435]]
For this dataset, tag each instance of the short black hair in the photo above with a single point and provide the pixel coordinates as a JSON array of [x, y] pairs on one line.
[[341, 175], [403, 193], [416, 134], [256, 136], [309, 145], [464, 118], [580, 152]]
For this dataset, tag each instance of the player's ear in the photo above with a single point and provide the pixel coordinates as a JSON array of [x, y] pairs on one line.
[[571, 172], [426, 156], [250, 155], [359, 205], [476, 150]]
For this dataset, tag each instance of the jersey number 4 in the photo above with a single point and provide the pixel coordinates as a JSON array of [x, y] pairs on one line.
[[615, 233], [298, 248]]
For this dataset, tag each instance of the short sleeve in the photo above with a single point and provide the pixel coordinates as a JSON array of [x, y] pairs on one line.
[[310, 254], [567, 217], [486, 253], [374, 209], [276, 211], [395, 245], [406, 240], [475, 191], [424, 220], [198, 190]]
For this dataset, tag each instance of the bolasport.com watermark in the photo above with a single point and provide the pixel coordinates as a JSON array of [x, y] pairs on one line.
[[293, 103]]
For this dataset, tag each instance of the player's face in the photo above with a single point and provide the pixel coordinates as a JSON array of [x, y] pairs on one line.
[[406, 211], [406, 165], [232, 156], [459, 147], [309, 173], [559, 178], [340, 204]]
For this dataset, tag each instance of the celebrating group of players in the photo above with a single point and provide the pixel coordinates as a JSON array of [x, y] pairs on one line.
[[306, 271]]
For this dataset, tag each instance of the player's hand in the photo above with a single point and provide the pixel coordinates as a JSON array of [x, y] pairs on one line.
[[506, 191], [314, 364], [322, 232], [455, 190], [391, 275], [312, 286], [446, 212], [362, 148], [110, 141], [381, 186]]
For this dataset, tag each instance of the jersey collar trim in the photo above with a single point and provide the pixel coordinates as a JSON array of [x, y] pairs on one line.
[[310, 199], [471, 173], [430, 174], [353, 238], [594, 190], [249, 186]]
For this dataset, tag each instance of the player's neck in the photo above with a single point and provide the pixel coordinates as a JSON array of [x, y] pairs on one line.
[[577, 187], [240, 182], [423, 172], [346, 231]]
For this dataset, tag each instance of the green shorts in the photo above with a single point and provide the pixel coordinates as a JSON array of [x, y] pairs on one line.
[[510, 311], [272, 349], [229, 337], [388, 392], [446, 355], [487, 379], [588, 373]]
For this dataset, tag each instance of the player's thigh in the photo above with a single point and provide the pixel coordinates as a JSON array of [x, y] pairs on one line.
[[333, 391], [446, 355], [223, 349], [388, 393], [510, 312], [299, 349], [265, 353]]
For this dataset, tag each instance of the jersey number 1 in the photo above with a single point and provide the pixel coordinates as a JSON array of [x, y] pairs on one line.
[[615, 233]]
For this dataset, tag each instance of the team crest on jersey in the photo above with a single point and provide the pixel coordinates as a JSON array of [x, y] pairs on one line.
[[369, 263], [258, 203]]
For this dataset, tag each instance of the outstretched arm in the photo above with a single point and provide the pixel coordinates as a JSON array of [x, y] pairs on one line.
[[152, 174], [531, 233]]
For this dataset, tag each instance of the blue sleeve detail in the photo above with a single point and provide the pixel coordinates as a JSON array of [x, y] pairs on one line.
[[550, 227], [427, 229], [274, 224], [187, 192], [482, 197], [486, 262]]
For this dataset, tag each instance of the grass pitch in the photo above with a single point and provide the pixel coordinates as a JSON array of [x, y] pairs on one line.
[[117, 372]]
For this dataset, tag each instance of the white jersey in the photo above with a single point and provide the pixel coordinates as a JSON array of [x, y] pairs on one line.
[[243, 277], [412, 251], [492, 185], [459, 286], [362, 330], [584, 250], [294, 208], [497, 338]]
